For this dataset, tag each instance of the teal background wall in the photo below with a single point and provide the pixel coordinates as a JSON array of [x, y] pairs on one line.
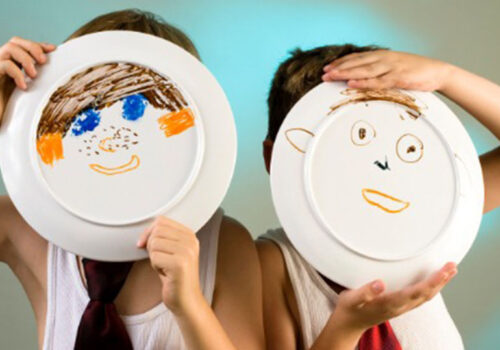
[[242, 43]]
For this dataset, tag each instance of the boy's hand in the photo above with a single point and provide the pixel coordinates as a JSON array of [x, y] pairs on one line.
[[174, 250], [360, 309], [383, 69], [15, 55]]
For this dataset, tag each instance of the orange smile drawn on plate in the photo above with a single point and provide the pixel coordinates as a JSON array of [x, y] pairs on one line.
[[387, 203], [132, 164]]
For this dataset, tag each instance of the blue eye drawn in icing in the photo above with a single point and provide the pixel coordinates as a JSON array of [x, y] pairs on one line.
[[134, 107], [87, 120]]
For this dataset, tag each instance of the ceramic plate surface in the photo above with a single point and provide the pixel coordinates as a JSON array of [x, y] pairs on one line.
[[376, 184], [118, 128]]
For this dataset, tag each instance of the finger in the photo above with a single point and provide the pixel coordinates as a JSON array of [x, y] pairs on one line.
[[22, 57], [415, 295], [159, 244], [167, 228], [168, 232], [359, 297], [427, 289], [48, 47], [367, 71], [32, 47], [338, 61], [436, 280], [352, 60], [381, 82], [144, 237], [171, 223], [172, 248], [162, 262], [12, 70]]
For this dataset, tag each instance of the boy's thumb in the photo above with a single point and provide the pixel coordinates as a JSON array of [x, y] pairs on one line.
[[366, 293]]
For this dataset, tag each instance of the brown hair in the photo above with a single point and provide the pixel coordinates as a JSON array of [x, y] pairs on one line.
[[137, 21], [103, 85], [297, 75]]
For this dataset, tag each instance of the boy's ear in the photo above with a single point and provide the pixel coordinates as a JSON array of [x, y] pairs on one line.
[[267, 151], [298, 138]]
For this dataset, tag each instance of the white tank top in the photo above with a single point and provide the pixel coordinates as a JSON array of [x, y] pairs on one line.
[[155, 329], [428, 327]]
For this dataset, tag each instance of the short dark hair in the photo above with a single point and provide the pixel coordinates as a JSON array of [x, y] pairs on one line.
[[297, 75]]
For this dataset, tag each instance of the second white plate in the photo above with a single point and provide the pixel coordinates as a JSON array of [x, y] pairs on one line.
[[366, 184]]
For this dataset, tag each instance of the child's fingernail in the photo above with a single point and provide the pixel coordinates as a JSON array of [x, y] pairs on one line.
[[377, 286], [327, 68], [325, 77]]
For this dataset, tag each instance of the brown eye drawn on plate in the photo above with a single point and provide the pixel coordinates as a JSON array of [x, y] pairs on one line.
[[409, 148], [362, 133]]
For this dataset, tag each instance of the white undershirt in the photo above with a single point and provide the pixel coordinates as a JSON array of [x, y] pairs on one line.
[[155, 329]]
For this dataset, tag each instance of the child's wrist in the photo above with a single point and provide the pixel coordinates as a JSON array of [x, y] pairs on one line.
[[349, 334], [448, 73], [192, 315], [188, 306]]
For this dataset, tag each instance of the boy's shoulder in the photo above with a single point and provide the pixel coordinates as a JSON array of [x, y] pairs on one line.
[[233, 236], [238, 288], [280, 304], [237, 254], [270, 247], [16, 236], [273, 263]]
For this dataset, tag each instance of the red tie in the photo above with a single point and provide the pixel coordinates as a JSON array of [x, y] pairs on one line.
[[380, 337], [101, 327]]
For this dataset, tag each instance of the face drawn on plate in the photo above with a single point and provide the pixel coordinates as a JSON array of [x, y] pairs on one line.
[[373, 175], [117, 142]]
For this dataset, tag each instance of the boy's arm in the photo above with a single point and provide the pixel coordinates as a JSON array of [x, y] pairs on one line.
[[237, 301], [389, 69], [481, 98], [235, 319], [282, 332], [15, 55]]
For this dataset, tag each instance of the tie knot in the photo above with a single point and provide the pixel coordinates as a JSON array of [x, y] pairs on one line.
[[105, 279]]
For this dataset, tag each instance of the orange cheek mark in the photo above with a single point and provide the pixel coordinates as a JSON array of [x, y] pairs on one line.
[[102, 145], [131, 165], [176, 122], [49, 147], [364, 191]]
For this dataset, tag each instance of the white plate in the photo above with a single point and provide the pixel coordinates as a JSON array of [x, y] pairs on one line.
[[118, 128], [374, 185]]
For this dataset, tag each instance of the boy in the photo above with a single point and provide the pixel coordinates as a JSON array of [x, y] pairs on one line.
[[196, 291], [303, 309]]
